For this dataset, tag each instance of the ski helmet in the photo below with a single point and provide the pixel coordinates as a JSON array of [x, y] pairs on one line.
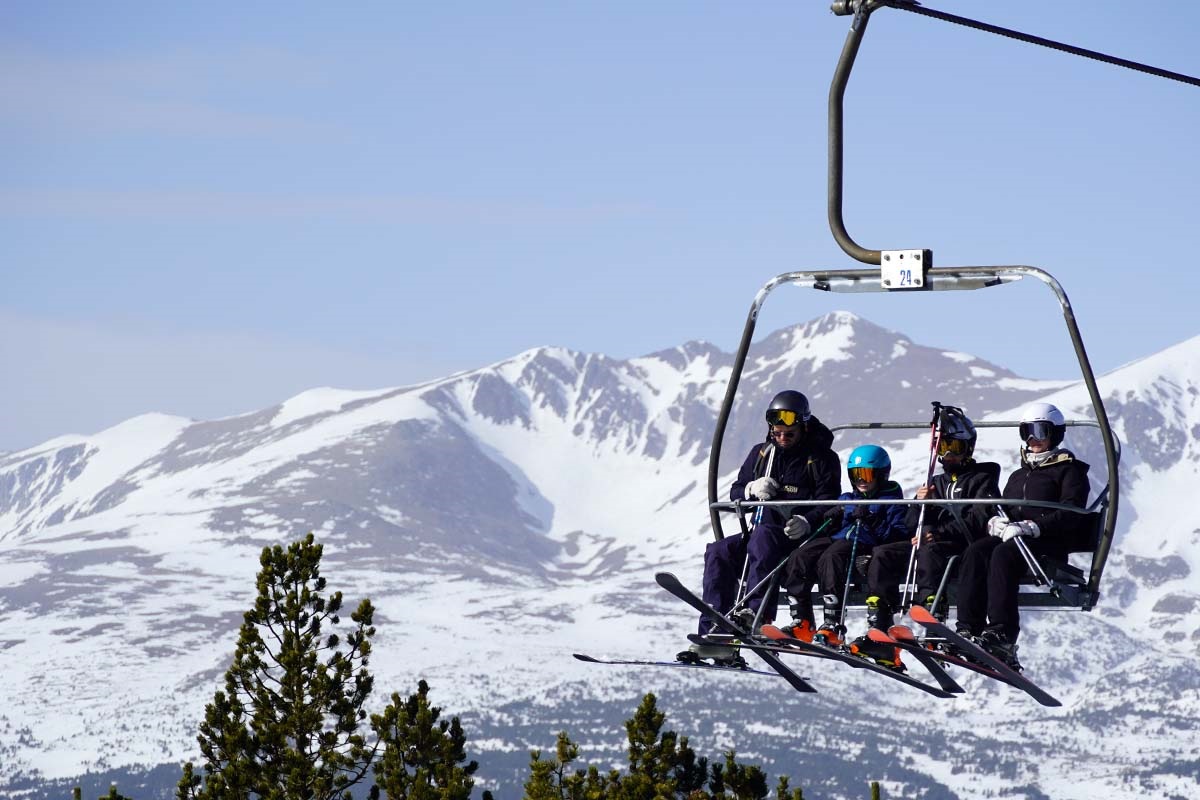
[[958, 434], [869, 462], [1043, 421], [788, 408]]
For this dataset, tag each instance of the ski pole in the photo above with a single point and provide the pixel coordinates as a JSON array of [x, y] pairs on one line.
[[1039, 574], [758, 515], [935, 436], [771, 575], [849, 573]]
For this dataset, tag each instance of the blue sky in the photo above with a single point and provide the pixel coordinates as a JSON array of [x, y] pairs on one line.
[[204, 210]]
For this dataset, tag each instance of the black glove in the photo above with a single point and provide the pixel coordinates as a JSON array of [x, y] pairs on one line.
[[861, 512], [834, 513]]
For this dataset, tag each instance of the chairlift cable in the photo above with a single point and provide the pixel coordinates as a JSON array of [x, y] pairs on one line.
[[916, 8]]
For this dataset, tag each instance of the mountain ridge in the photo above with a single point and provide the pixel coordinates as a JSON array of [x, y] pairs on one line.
[[535, 496]]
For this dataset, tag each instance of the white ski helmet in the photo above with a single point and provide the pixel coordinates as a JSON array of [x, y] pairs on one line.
[[1043, 421]]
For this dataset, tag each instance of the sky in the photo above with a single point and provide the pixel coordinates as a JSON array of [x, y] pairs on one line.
[[205, 210]]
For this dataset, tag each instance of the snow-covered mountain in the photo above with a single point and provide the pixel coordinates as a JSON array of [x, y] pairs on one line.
[[503, 518]]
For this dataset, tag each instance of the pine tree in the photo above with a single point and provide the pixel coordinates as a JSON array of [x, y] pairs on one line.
[[422, 757], [287, 724], [662, 766]]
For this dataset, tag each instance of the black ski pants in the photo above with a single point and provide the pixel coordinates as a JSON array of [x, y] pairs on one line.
[[989, 584], [825, 562], [889, 568]]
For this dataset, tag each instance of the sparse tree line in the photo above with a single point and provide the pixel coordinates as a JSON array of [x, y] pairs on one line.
[[291, 722]]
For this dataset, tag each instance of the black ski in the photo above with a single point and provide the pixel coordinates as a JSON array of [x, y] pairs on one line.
[[922, 617], [767, 646], [673, 585], [907, 640], [858, 662], [634, 663], [930, 663]]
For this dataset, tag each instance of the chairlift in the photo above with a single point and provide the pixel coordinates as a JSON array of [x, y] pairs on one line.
[[901, 271]]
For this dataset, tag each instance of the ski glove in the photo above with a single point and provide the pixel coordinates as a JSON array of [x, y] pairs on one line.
[[797, 527], [996, 526], [762, 489], [1022, 528]]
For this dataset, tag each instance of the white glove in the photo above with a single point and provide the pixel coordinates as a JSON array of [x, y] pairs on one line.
[[996, 526], [762, 489], [797, 527], [1022, 528]]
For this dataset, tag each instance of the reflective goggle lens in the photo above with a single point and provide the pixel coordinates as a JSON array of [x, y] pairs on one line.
[[864, 474], [782, 417], [955, 447], [1036, 430]]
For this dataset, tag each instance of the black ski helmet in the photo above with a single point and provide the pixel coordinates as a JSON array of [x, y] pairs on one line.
[[956, 427], [789, 400]]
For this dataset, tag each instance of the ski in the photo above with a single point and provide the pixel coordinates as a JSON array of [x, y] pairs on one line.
[[922, 655], [858, 662], [634, 663], [768, 646], [922, 617], [673, 585], [907, 640]]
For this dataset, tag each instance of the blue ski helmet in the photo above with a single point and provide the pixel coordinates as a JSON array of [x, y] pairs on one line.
[[870, 457]]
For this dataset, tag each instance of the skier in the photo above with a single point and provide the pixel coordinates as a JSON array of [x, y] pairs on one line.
[[829, 559], [946, 531], [991, 568], [802, 467]]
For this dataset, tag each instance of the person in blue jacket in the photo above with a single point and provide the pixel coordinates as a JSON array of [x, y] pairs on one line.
[[827, 560], [795, 462]]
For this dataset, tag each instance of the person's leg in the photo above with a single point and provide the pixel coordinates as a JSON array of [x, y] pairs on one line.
[[798, 577], [932, 559], [832, 570], [1004, 582], [722, 568], [889, 562], [973, 585], [768, 547]]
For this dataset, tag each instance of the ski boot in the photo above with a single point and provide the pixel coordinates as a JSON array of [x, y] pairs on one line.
[[879, 613], [940, 609], [997, 644], [720, 654], [744, 619], [831, 633], [883, 654], [801, 629]]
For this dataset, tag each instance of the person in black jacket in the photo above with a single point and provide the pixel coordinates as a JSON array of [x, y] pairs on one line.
[[946, 531], [801, 467], [992, 567]]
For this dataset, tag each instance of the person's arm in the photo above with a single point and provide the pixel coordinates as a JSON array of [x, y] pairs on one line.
[[1073, 490], [976, 517], [827, 485]]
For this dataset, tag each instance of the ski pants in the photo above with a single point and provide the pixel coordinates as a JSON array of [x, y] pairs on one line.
[[989, 582], [825, 561], [723, 561], [889, 565]]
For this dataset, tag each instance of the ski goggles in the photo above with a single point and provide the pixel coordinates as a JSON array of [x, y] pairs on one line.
[[782, 416], [953, 447], [864, 474], [1040, 429]]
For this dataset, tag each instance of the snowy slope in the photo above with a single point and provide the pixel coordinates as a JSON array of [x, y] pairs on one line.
[[535, 498]]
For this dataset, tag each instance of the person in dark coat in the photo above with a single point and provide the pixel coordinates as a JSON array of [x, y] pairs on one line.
[[992, 567], [946, 531], [826, 560], [795, 463]]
